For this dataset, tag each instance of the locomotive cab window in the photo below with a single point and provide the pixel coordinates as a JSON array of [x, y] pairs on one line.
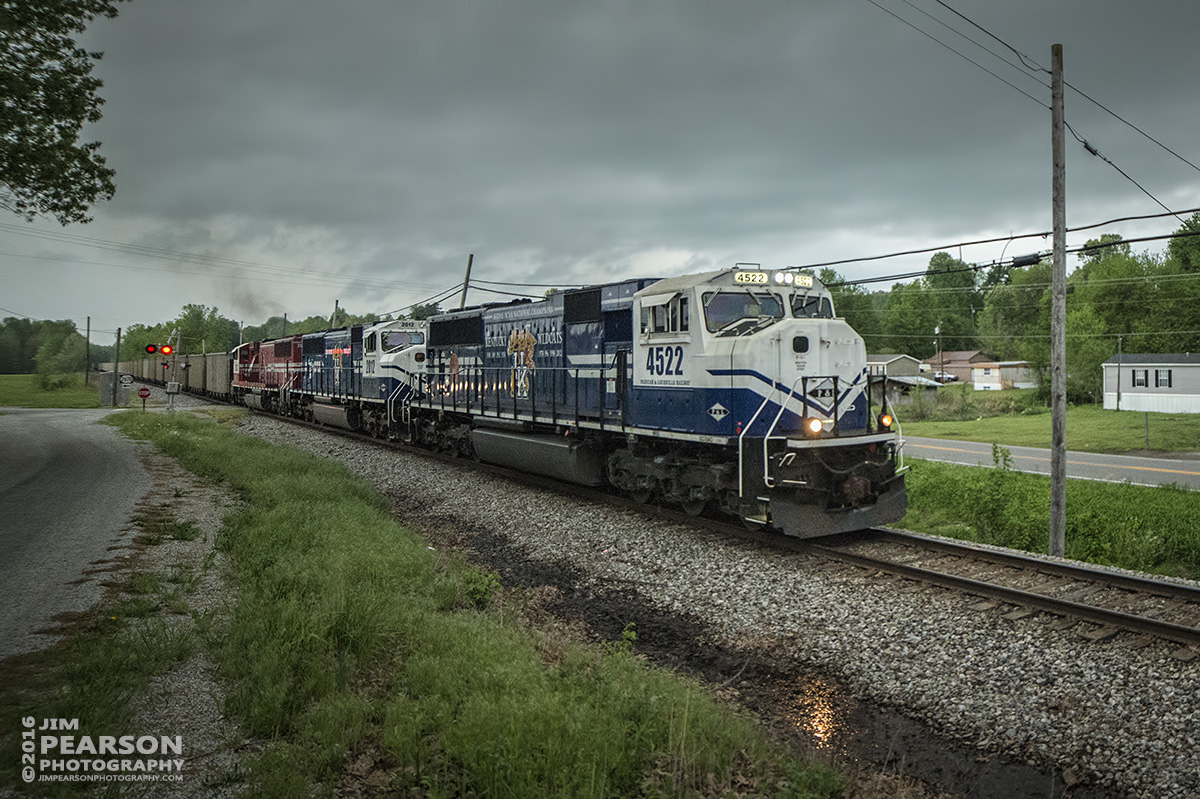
[[723, 309], [811, 306], [396, 340], [661, 316], [370, 343]]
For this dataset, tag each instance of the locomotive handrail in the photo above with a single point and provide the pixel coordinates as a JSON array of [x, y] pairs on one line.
[[767, 479], [479, 389], [741, 445]]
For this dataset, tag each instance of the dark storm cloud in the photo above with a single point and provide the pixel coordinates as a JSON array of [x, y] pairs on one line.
[[566, 142]]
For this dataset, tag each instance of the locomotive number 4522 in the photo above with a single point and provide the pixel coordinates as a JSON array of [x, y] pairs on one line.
[[665, 361]]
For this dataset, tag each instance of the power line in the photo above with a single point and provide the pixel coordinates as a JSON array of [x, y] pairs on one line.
[[1069, 85], [1014, 87], [1012, 262], [988, 50], [216, 262], [947, 247], [1015, 51], [1091, 149], [1023, 58]]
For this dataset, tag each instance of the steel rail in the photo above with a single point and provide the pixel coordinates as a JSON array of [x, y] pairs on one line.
[[1169, 630], [1131, 582]]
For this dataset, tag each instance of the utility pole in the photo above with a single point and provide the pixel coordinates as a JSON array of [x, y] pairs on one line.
[[116, 366], [87, 353], [333, 316], [1058, 316], [462, 303]]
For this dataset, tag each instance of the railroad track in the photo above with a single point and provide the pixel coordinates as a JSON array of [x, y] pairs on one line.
[[1020, 585]]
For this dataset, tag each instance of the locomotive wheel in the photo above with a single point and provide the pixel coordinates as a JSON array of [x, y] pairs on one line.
[[642, 495], [694, 507]]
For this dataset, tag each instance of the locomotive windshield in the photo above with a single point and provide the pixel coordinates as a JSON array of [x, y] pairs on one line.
[[724, 310], [811, 306], [399, 339]]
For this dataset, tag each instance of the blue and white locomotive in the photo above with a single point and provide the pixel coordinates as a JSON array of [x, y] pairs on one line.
[[737, 388]]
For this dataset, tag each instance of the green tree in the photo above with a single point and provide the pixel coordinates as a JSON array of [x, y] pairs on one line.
[[18, 346], [909, 321], [60, 355], [203, 329], [1185, 250], [951, 286], [1088, 346], [1012, 311], [48, 93], [424, 311], [858, 308]]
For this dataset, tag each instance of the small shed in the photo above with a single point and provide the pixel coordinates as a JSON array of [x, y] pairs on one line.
[[999, 375], [1159, 382], [893, 365]]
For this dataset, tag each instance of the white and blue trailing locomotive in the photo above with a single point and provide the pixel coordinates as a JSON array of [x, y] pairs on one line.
[[737, 388]]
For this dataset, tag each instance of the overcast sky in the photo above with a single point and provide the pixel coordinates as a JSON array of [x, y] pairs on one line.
[[273, 156]]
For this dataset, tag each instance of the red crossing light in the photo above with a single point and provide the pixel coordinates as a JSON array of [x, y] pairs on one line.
[[166, 349], [151, 348]]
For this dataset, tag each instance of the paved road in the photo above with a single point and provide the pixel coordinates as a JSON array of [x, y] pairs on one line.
[[68, 488], [1084, 465]]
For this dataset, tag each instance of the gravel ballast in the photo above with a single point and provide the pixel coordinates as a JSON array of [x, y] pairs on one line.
[[1122, 714]]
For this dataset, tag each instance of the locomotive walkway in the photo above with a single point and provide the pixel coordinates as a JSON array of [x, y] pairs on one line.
[[1081, 465]]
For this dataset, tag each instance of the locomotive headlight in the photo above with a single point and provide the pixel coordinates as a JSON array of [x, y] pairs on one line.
[[788, 278], [812, 426], [885, 421], [779, 278]]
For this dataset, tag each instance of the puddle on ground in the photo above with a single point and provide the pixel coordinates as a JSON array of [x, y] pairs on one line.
[[843, 728], [814, 710]]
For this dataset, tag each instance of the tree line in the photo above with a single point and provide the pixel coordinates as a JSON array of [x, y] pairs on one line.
[[1142, 302], [55, 351]]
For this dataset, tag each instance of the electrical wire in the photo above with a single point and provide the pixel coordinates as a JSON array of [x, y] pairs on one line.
[[1087, 248], [1069, 85], [1092, 149], [1013, 86], [986, 49], [215, 262]]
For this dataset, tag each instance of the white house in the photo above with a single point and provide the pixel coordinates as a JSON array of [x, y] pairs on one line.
[[998, 375], [1160, 382]]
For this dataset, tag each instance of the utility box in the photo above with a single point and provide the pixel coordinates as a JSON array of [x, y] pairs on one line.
[[173, 387]]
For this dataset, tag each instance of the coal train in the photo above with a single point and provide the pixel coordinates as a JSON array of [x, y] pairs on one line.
[[737, 389]]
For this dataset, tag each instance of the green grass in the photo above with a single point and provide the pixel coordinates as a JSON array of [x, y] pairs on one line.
[[351, 636], [1134, 527], [22, 391], [1089, 428], [98, 673]]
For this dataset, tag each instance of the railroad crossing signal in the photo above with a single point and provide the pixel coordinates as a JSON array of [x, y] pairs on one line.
[[164, 349]]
